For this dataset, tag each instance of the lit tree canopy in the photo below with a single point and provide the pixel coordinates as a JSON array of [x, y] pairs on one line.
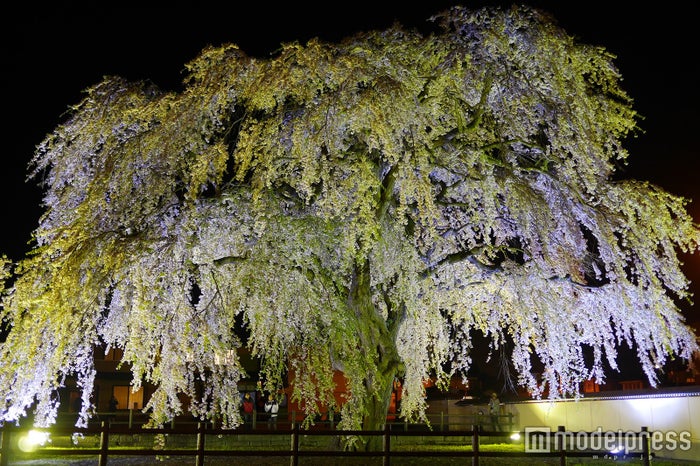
[[363, 206]]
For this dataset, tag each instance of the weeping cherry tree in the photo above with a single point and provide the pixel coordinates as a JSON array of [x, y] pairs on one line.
[[362, 206]]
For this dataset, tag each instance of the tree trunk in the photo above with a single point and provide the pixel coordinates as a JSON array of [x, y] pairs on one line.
[[377, 410], [378, 338]]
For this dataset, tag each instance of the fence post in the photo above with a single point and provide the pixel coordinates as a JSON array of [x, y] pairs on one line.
[[5, 454], [199, 461], [104, 443], [387, 445], [294, 460], [131, 418], [562, 450], [646, 457], [475, 445]]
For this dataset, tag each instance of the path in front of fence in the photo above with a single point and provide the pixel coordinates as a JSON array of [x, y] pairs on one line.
[[259, 461], [151, 461]]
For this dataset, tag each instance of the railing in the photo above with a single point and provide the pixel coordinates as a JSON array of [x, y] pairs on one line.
[[440, 421], [550, 444], [443, 421]]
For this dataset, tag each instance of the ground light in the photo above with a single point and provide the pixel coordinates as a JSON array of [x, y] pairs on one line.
[[618, 453], [515, 436], [33, 440]]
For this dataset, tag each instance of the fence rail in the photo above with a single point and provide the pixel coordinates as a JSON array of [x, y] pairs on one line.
[[439, 420], [555, 441]]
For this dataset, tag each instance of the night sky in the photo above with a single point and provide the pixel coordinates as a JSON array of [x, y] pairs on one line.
[[52, 53]]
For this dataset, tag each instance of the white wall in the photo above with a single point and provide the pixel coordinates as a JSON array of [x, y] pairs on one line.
[[670, 416]]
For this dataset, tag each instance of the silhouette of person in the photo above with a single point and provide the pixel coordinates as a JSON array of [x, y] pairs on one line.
[[272, 407], [495, 411]]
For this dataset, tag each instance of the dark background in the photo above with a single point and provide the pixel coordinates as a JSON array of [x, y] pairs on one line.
[[51, 53]]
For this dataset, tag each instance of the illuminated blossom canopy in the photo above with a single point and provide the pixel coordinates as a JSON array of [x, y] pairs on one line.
[[362, 206]]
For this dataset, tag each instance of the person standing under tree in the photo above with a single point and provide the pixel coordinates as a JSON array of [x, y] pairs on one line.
[[113, 405], [248, 408], [272, 407], [495, 411]]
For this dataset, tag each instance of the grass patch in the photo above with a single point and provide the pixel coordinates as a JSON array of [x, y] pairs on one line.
[[442, 451]]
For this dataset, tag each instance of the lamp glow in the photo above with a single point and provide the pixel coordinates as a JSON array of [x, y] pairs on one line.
[[33, 440]]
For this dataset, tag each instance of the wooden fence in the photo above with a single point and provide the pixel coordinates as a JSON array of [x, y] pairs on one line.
[[439, 420], [550, 444]]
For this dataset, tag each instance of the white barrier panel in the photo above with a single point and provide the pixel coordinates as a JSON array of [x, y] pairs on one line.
[[670, 416]]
